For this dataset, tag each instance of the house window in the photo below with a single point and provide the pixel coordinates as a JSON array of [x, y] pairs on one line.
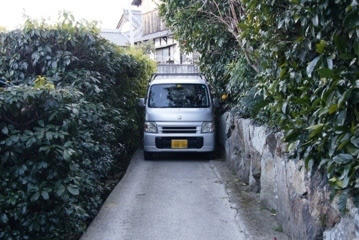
[[163, 55]]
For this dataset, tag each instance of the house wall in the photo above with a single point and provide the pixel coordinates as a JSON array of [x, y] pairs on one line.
[[152, 23], [167, 50]]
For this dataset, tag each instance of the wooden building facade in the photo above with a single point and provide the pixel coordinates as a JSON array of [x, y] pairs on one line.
[[167, 50]]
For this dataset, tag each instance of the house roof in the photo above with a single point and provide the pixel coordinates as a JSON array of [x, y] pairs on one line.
[[136, 2], [154, 35], [136, 18], [137, 33], [114, 36]]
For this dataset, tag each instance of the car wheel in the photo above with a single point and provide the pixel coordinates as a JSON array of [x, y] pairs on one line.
[[147, 155], [211, 155]]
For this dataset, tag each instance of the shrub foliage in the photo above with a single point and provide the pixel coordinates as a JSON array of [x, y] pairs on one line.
[[67, 115], [300, 72]]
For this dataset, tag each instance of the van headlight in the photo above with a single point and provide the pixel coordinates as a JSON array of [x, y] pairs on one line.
[[207, 127], [150, 127]]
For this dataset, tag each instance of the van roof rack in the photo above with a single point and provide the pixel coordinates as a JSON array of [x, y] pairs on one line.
[[176, 74]]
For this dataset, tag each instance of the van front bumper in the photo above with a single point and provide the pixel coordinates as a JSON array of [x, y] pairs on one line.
[[195, 143]]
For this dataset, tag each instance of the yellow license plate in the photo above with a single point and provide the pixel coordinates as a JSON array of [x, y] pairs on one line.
[[179, 143]]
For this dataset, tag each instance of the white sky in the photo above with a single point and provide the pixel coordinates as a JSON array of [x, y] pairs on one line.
[[108, 12]]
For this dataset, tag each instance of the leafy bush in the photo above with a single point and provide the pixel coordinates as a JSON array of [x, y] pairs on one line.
[[68, 114], [242, 88], [311, 81], [304, 55], [196, 31], [47, 161], [202, 27]]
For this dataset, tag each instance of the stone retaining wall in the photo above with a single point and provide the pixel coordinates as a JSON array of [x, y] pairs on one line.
[[299, 198]]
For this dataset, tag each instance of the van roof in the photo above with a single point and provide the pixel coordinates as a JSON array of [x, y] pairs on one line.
[[178, 78]]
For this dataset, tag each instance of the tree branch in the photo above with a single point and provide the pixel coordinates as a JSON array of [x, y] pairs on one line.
[[231, 21], [21, 125]]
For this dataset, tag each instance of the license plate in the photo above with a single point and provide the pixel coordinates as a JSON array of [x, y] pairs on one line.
[[179, 143]]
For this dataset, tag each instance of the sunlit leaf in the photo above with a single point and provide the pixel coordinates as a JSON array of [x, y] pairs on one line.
[[45, 195], [5, 130], [315, 129], [333, 108], [320, 47], [311, 66]]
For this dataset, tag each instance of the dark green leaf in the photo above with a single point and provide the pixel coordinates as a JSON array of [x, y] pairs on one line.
[[344, 97], [352, 19], [60, 190], [326, 72], [14, 138], [356, 48], [35, 197], [346, 56], [355, 141], [41, 123], [73, 189], [342, 117], [342, 203], [343, 144], [315, 20], [345, 176], [340, 43], [282, 72], [290, 135], [343, 158], [4, 218], [323, 162], [66, 155]]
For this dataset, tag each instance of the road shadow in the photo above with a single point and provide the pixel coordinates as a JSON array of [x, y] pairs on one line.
[[218, 155], [180, 156]]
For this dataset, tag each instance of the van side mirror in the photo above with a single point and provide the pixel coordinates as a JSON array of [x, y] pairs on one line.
[[215, 102], [141, 102]]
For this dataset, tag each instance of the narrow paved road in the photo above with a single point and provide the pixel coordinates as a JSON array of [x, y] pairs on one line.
[[167, 199]]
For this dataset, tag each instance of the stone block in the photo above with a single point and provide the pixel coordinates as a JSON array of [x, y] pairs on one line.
[[300, 198], [347, 228]]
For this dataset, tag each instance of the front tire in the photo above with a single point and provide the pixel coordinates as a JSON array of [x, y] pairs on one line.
[[211, 155], [147, 156]]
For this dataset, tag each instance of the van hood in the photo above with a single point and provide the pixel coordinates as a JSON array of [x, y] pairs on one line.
[[179, 114]]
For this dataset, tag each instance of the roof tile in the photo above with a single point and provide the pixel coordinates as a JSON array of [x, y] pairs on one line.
[[114, 36]]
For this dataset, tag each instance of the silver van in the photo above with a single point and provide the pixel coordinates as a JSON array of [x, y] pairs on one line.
[[179, 115]]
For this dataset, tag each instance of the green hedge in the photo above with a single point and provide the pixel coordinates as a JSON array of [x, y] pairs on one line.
[[67, 116], [309, 53], [300, 72]]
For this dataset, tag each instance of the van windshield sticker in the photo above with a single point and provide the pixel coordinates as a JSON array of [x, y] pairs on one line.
[[178, 96]]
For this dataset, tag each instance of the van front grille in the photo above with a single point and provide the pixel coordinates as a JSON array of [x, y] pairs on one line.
[[179, 130]]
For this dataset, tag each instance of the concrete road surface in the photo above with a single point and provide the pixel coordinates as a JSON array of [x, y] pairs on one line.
[[173, 198]]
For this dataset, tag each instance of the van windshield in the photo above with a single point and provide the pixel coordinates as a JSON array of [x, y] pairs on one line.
[[178, 96]]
